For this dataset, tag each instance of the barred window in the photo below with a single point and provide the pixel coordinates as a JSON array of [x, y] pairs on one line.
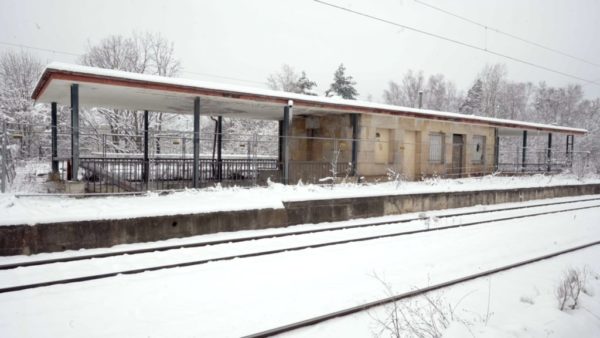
[[436, 148], [478, 149]]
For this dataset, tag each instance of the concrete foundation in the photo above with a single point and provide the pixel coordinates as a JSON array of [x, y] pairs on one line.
[[26, 239]]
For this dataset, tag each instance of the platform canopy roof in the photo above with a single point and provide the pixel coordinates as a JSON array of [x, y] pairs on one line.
[[124, 90]]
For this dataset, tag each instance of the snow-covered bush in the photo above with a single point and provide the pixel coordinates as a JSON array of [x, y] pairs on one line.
[[572, 283], [427, 315]]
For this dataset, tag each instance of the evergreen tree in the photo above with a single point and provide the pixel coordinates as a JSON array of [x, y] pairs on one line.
[[342, 85], [473, 101], [305, 85]]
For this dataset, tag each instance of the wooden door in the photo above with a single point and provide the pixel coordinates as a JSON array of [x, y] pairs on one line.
[[458, 148], [409, 159]]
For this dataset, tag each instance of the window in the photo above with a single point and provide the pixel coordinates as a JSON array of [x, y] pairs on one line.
[[436, 148], [478, 149]]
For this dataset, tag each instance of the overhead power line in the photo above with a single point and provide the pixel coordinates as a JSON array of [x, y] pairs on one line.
[[516, 37], [37, 48], [465, 44], [79, 55]]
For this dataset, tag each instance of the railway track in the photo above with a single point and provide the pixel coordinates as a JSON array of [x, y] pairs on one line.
[[413, 293], [286, 249], [275, 235]]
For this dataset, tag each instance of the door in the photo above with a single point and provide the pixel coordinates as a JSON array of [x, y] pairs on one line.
[[409, 158], [382, 146], [458, 148]]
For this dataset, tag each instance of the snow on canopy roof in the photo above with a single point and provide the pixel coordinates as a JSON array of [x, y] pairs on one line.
[[121, 79]]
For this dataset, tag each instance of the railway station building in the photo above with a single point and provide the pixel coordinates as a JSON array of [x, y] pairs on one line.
[[319, 138]]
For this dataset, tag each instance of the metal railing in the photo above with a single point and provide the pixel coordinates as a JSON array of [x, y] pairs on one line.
[[109, 163], [120, 174]]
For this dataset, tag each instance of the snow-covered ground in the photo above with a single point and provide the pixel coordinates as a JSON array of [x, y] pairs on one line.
[[521, 301], [41, 209], [242, 296], [42, 273]]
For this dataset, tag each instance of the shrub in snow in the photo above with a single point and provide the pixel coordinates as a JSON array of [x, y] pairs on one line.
[[526, 299], [572, 283], [394, 176], [428, 315]]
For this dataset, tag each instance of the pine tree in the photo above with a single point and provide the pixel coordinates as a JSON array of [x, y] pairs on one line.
[[473, 101], [342, 85], [305, 85]]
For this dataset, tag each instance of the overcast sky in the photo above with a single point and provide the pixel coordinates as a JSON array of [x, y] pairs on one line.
[[248, 40]]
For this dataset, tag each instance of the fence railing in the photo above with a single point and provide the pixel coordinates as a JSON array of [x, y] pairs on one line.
[[132, 174], [115, 163]]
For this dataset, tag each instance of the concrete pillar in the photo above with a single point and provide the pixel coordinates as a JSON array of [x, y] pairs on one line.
[[54, 123], [524, 150], [74, 131], [196, 161], [146, 169]]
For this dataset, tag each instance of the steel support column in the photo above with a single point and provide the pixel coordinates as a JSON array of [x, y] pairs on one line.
[[569, 150], [220, 148], [354, 122], [496, 149], [146, 169], [54, 123], [287, 119], [280, 146], [196, 163], [74, 131], [524, 151], [549, 156]]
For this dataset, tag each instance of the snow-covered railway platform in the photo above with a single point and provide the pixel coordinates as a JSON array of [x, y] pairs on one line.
[[33, 224]]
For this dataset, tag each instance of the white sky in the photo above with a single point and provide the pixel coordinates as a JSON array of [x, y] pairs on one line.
[[250, 39]]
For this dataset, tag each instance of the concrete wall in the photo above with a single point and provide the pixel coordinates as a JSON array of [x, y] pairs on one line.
[[26, 239], [51, 237], [317, 211], [369, 124], [393, 128]]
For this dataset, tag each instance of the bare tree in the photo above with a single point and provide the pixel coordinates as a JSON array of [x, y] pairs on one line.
[[406, 93], [440, 94], [286, 79], [19, 72], [140, 53], [514, 100], [492, 80]]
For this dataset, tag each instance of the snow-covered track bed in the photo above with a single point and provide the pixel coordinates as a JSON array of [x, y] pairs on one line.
[[413, 293], [34, 274]]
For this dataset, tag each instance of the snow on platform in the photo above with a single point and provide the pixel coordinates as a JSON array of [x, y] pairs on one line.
[[243, 296], [45, 209]]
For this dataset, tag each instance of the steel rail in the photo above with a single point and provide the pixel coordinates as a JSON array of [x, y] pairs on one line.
[[268, 236], [409, 294], [270, 252]]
